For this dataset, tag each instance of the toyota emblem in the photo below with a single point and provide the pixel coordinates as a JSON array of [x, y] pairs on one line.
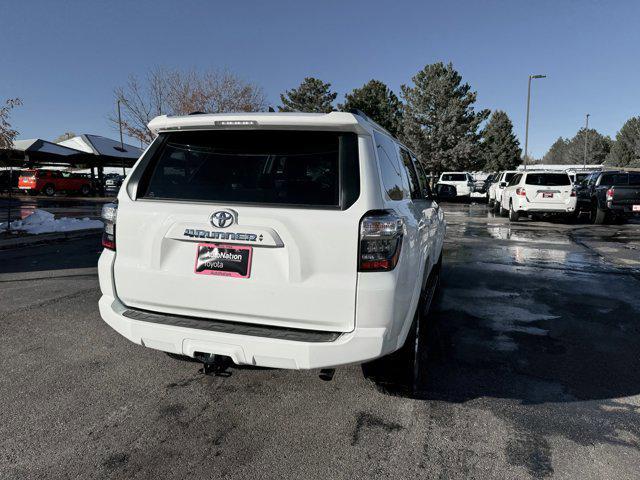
[[221, 219]]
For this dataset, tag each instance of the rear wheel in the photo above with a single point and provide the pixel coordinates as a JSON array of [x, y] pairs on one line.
[[491, 201], [405, 370], [49, 190], [598, 215], [514, 216], [85, 190], [503, 211]]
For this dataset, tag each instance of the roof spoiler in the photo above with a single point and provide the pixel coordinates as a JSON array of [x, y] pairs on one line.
[[360, 113]]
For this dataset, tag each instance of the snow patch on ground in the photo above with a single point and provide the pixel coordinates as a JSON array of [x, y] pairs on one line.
[[41, 221]]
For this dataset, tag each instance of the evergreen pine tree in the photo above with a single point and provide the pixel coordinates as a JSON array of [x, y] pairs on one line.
[[557, 153], [500, 147], [625, 151], [439, 119], [313, 95], [598, 147]]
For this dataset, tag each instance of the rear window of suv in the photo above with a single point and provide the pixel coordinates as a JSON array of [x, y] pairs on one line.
[[453, 177], [548, 179], [281, 167], [613, 179]]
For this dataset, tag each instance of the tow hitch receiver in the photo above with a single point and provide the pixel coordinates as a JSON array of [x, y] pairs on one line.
[[215, 365]]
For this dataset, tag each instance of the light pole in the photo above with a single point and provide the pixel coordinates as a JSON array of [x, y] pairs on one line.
[[526, 131], [121, 142], [586, 136]]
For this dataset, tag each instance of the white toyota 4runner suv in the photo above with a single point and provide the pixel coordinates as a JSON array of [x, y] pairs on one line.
[[284, 240]]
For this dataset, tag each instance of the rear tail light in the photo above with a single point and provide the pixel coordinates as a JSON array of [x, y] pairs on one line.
[[109, 215], [380, 241], [610, 194], [520, 191]]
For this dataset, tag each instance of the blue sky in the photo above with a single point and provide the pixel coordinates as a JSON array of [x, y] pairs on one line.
[[65, 58]]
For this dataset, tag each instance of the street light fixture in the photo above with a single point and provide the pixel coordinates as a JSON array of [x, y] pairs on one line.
[[586, 138], [121, 142], [526, 131]]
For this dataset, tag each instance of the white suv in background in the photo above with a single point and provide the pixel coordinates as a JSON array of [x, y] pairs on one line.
[[286, 240], [538, 192], [497, 187], [463, 181]]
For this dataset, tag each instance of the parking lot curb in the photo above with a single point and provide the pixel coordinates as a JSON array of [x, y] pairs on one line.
[[47, 238]]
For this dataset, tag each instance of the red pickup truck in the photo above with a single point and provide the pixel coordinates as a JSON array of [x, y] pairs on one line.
[[51, 181]]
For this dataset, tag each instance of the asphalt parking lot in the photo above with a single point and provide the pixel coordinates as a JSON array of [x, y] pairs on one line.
[[534, 373]]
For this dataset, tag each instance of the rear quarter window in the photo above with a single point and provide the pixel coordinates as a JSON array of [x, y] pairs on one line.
[[508, 177], [394, 182], [515, 179]]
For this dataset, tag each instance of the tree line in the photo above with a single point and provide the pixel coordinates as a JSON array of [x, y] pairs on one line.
[[594, 148], [434, 114]]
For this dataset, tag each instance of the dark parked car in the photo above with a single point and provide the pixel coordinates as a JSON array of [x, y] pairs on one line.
[[482, 186], [444, 191], [6, 178], [610, 195], [112, 183]]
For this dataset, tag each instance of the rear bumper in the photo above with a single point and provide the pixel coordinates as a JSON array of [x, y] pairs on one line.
[[539, 207], [354, 347]]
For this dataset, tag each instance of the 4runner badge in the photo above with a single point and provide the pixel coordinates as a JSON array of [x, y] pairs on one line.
[[243, 237]]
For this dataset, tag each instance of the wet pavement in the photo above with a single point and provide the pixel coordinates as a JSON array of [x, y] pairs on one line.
[[533, 372]]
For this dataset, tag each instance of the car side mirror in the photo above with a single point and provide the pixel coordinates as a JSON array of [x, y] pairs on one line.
[[503, 184]]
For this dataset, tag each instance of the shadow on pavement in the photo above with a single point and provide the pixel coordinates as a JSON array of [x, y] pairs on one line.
[[530, 336], [62, 255]]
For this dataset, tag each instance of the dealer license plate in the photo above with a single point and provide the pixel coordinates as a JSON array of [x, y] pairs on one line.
[[223, 260]]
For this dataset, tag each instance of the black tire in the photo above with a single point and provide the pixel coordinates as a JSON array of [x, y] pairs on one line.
[[405, 370], [490, 202], [514, 216], [573, 217], [85, 190], [598, 215], [503, 211], [49, 190]]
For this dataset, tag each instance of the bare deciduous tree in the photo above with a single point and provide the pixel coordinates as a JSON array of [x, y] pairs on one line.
[[175, 92], [7, 134]]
